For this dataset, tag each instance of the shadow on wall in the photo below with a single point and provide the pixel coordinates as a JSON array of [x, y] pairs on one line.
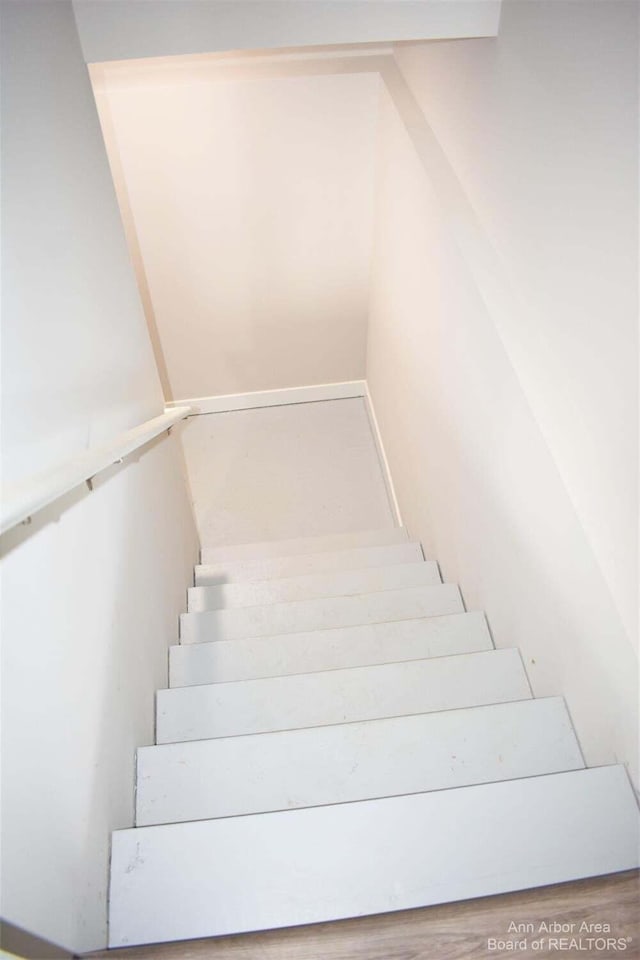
[[124, 202], [475, 478]]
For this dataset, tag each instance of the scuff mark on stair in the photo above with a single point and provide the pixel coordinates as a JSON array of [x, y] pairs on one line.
[[136, 861]]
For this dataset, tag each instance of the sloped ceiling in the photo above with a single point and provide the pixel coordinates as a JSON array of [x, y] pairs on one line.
[[128, 29]]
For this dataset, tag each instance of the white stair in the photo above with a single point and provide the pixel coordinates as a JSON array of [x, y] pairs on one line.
[[223, 660], [213, 877], [339, 696], [346, 583], [198, 780], [268, 568], [326, 614], [304, 545], [340, 738]]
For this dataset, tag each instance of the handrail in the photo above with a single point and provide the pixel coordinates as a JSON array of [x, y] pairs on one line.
[[21, 501]]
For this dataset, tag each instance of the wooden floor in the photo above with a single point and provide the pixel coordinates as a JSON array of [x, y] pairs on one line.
[[459, 931]]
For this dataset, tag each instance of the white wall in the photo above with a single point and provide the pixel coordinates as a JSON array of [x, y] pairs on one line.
[[541, 127], [250, 203], [117, 29], [274, 473], [92, 588], [66, 270], [502, 344]]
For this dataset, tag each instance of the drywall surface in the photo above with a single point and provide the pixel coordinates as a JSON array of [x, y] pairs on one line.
[[77, 362], [541, 128], [117, 29], [92, 588], [250, 205], [90, 602], [274, 473], [515, 506]]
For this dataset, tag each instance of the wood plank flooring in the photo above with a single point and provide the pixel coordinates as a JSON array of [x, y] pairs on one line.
[[459, 931]]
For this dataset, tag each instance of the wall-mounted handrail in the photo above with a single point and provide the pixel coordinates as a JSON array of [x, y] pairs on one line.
[[20, 502]]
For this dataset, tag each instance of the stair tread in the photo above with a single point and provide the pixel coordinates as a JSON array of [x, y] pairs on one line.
[[267, 568], [214, 877], [306, 767], [313, 586], [340, 738], [302, 545], [320, 614], [367, 644], [334, 696]]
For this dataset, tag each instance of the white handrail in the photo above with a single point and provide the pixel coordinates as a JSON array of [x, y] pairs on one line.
[[22, 501]]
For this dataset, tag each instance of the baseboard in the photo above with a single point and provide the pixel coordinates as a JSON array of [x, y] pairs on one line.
[[384, 463], [273, 398]]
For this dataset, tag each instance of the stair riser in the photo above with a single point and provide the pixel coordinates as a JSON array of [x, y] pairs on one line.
[[360, 558], [313, 587], [362, 693], [217, 877], [326, 614], [304, 545], [376, 643], [357, 761]]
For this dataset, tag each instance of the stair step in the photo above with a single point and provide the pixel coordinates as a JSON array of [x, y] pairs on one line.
[[325, 614], [374, 643], [214, 877], [354, 761], [302, 545], [314, 586], [337, 696], [357, 558]]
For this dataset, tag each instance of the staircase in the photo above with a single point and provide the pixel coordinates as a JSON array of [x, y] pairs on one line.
[[341, 738]]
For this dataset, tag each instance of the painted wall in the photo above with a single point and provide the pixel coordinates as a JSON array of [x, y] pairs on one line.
[[93, 587], [502, 345], [67, 275], [117, 29], [249, 207]]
